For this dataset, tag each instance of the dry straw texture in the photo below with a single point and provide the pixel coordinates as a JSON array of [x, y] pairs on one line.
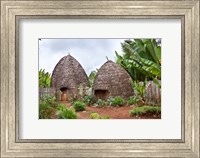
[[112, 80], [69, 74]]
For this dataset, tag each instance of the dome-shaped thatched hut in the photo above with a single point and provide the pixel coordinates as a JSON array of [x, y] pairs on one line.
[[112, 80], [68, 75]]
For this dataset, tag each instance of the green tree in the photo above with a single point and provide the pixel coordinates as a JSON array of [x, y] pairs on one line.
[[44, 79]]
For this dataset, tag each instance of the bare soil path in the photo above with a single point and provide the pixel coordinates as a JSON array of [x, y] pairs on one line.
[[112, 112]]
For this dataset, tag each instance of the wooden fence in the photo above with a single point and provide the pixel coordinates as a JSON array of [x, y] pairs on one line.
[[46, 91], [153, 93]]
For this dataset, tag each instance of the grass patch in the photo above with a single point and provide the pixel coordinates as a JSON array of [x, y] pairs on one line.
[[145, 109]]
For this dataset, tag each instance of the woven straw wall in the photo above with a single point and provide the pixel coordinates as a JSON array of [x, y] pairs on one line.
[[70, 74], [113, 79]]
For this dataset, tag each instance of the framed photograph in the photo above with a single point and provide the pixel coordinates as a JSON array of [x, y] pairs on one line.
[[100, 78], [115, 84]]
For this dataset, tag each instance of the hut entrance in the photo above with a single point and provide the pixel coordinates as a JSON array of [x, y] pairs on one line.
[[101, 94], [64, 93]]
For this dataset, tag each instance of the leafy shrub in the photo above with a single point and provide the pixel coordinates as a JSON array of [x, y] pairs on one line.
[[116, 101], [145, 109], [67, 114], [46, 106], [45, 111], [88, 99], [95, 115], [79, 106], [101, 102], [61, 107], [64, 113], [132, 100], [49, 100]]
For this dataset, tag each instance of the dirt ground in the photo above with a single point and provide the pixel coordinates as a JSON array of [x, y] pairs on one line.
[[112, 112]]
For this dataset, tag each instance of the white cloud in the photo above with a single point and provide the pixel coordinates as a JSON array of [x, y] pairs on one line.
[[91, 53]]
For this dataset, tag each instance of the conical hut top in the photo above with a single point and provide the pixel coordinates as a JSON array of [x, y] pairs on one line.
[[112, 80], [68, 73]]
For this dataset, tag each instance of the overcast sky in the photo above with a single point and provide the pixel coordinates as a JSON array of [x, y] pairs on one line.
[[91, 53]]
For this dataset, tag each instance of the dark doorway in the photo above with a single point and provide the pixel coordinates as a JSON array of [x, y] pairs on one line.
[[101, 94], [64, 94]]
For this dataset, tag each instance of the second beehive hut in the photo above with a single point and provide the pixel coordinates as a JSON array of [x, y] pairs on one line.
[[112, 80]]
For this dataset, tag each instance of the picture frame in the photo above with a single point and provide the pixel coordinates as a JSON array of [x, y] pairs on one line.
[[12, 11]]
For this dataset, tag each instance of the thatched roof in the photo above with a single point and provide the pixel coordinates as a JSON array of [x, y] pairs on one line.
[[114, 79], [68, 73]]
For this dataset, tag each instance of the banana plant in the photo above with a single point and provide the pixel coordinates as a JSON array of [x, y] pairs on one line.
[[140, 89], [92, 77], [141, 59], [131, 67], [44, 79]]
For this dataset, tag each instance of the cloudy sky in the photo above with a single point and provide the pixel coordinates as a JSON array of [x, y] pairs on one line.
[[91, 53]]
